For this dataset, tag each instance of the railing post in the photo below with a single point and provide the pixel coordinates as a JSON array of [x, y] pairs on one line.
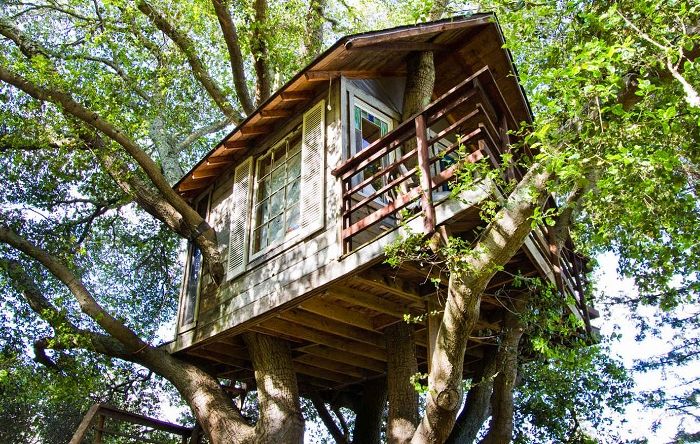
[[99, 428], [426, 198]]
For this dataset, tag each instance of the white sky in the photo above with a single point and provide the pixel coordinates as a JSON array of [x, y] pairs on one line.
[[639, 420]]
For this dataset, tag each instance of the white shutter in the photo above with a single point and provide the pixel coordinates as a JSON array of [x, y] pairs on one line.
[[313, 168], [240, 209]]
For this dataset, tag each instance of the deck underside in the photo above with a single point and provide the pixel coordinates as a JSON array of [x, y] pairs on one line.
[[336, 333]]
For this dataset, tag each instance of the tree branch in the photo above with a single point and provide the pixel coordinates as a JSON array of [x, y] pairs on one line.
[[469, 275], [203, 131], [87, 303], [204, 235], [228, 29], [186, 45], [327, 419], [259, 49]]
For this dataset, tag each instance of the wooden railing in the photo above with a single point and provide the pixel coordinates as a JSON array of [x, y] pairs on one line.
[[95, 421], [407, 166], [419, 158]]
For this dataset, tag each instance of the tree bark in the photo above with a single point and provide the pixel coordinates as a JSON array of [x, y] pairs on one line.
[[228, 29], [420, 81], [280, 420], [403, 397], [477, 405], [338, 436], [369, 414], [258, 46], [469, 276], [501, 425]]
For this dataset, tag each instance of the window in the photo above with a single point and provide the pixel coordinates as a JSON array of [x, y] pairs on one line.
[[369, 125], [268, 204], [193, 273], [277, 191]]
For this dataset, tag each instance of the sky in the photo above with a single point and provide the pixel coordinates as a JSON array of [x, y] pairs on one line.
[[639, 420]]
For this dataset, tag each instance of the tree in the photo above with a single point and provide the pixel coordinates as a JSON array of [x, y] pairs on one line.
[[89, 171]]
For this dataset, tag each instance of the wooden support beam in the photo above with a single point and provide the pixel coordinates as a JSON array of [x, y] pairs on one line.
[[311, 370], [324, 338], [337, 328], [191, 184], [334, 366], [373, 302], [395, 46], [235, 145], [206, 173], [389, 284], [318, 76], [220, 358], [338, 313], [255, 130], [344, 356], [276, 113], [296, 96]]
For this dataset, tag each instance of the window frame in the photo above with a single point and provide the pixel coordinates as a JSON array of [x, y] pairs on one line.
[[253, 255], [181, 328]]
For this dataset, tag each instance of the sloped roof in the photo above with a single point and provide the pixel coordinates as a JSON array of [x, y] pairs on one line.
[[461, 45]]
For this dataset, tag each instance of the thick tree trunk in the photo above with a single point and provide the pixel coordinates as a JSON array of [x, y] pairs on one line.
[[369, 414], [420, 80], [477, 404], [501, 425], [403, 398], [211, 405], [280, 420]]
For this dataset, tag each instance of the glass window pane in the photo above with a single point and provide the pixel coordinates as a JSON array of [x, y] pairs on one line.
[[293, 192], [294, 167], [276, 203], [278, 179], [260, 238], [293, 218], [276, 229], [262, 215]]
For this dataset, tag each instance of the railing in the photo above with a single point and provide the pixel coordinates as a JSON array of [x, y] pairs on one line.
[[95, 421], [407, 166], [415, 162]]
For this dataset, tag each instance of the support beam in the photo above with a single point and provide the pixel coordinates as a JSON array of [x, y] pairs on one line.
[[324, 338], [296, 96]]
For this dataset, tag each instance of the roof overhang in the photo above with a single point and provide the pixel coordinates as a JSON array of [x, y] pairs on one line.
[[461, 45]]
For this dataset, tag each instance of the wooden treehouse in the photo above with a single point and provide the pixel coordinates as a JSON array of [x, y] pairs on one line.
[[310, 189]]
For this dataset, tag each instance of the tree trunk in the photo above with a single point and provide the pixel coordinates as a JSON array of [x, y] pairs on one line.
[[403, 398], [280, 420], [477, 404], [420, 80], [501, 425], [369, 414], [211, 405]]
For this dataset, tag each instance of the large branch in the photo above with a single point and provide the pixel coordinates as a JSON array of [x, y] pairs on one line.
[[201, 132], [87, 303], [203, 234], [260, 52], [468, 279], [228, 29], [186, 45]]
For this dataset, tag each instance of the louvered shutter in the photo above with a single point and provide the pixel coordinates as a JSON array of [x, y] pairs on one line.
[[240, 209], [313, 170]]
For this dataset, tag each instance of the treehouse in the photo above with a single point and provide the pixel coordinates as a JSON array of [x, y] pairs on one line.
[[307, 193]]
